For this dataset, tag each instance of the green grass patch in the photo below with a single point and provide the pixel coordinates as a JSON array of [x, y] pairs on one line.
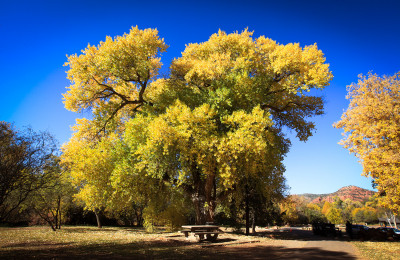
[[379, 250]]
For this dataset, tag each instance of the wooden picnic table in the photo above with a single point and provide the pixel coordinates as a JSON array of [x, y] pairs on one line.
[[210, 231]]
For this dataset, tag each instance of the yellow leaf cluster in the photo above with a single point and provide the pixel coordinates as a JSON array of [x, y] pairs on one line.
[[90, 165], [182, 131], [114, 75], [244, 150], [237, 55]]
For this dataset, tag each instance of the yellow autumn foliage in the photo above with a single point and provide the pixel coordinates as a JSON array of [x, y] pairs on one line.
[[110, 79], [371, 127], [216, 120]]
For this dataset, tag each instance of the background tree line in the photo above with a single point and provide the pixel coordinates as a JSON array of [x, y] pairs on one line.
[[297, 210]]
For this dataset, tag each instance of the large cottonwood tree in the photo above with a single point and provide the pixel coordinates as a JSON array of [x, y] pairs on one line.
[[217, 118], [246, 90], [371, 127]]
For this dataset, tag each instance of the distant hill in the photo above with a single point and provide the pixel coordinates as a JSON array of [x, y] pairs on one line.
[[349, 192]]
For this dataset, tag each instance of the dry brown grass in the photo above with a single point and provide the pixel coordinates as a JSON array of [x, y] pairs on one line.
[[107, 243], [379, 250], [84, 242]]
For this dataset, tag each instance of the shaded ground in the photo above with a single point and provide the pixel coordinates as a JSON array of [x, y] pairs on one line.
[[114, 243], [292, 243]]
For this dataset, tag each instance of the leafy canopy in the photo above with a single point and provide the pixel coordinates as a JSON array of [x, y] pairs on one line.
[[216, 120]]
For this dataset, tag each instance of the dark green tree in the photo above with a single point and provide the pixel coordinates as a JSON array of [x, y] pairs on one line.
[[23, 157]]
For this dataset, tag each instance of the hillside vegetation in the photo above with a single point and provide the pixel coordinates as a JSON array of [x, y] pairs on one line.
[[349, 203], [351, 192]]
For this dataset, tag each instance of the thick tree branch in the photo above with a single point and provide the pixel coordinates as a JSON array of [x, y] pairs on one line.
[[125, 100]]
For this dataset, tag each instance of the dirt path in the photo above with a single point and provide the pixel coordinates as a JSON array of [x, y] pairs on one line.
[[329, 247], [333, 246], [291, 244]]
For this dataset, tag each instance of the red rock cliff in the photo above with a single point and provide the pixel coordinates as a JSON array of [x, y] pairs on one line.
[[349, 192]]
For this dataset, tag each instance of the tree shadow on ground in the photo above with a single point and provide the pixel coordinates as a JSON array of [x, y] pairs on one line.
[[308, 235], [89, 230], [170, 249], [298, 234], [279, 252], [110, 229]]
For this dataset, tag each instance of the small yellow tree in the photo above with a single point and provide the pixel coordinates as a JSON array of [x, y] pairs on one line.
[[334, 216], [327, 206], [289, 211]]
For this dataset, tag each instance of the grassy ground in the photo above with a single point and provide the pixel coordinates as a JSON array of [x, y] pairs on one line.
[[130, 243], [379, 250], [105, 243]]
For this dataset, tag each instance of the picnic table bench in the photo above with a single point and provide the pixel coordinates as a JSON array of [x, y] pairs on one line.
[[211, 232]]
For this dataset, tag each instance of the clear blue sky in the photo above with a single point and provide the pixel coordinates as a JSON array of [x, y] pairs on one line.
[[356, 37]]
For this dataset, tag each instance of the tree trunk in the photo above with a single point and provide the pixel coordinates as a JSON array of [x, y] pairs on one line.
[[199, 206], [51, 225], [46, 218], [97, 213], [139, 216], [203, 194], [247, 215], [253, 224], [198, 195], [210, 196], [59, 213]]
